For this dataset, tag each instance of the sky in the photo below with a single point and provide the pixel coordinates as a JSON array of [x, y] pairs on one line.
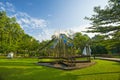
[[42, 18]]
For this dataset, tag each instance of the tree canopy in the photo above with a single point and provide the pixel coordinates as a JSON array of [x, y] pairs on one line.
[[12, 36], [106, 21]]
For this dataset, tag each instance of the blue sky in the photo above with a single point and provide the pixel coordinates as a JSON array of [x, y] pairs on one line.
[[41, 18]]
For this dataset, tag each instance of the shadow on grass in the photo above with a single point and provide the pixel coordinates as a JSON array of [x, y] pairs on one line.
[[44, 73], [17, 64], [118, 72], [35, 74], [117, 63], [1, 78]]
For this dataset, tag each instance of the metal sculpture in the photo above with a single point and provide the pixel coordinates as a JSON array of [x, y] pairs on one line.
[[63, 50]]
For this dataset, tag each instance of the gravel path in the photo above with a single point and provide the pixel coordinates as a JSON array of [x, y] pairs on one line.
[[110, 59]]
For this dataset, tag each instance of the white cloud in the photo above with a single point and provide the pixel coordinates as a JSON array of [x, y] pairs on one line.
[[81, 29], [7, 7], [1, 4], [2, 8], [34, 26], [49, 15], [10, 7], [46, 35], [25, 19]]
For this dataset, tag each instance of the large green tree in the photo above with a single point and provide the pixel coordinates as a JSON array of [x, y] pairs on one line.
[[99, 45], [107, 22], [13, 37]]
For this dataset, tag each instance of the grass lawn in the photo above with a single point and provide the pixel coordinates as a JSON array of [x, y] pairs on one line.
[[27, 69]]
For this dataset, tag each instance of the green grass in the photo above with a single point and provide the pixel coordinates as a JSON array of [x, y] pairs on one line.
[[27, 69]]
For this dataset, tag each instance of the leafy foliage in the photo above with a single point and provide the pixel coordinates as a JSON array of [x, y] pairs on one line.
[[13, 37], [80, 41], [107, 22]]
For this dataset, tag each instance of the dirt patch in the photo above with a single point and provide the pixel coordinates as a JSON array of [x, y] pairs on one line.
[[64, 67]]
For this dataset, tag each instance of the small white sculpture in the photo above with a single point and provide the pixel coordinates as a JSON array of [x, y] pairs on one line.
[[10, 55], [87, 50]]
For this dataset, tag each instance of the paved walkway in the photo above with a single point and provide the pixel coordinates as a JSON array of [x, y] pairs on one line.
[[110, 59]]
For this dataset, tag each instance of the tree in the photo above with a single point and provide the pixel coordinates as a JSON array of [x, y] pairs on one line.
[[80, 41], [107, 22], [99, 45], [13, 37]]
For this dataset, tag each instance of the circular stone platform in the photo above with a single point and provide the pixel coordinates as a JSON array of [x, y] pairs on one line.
[[63, 67]]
